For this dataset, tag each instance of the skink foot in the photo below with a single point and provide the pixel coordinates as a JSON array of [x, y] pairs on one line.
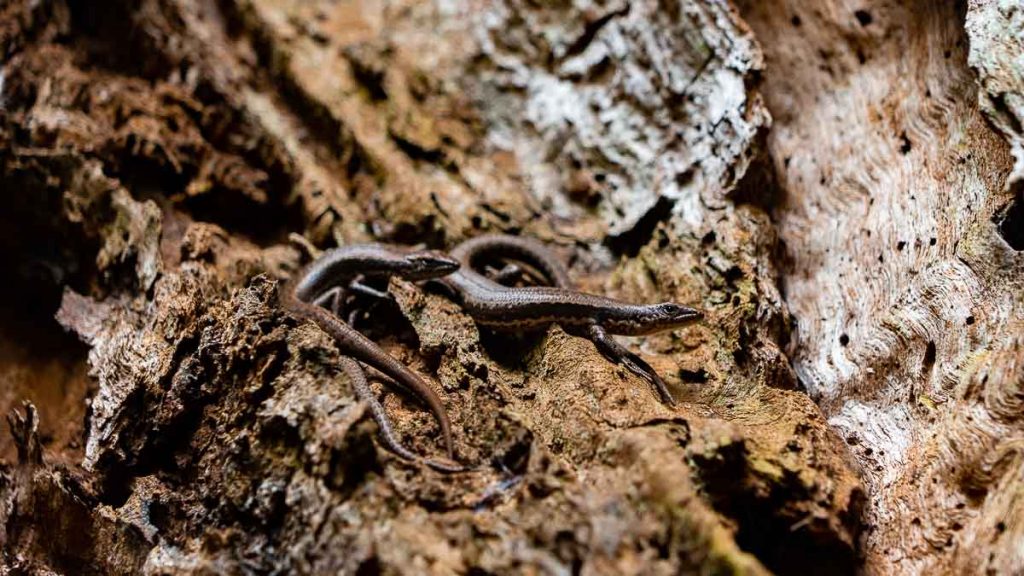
[[618, 353]]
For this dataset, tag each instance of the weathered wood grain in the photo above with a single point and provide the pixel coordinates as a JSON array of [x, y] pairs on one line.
[[834, 184]]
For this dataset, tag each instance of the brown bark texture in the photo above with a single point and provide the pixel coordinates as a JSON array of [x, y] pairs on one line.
[[837, 184]]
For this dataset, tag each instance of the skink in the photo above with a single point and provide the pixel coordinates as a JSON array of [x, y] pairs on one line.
[[335, 269], [595, 317], [357, 376]]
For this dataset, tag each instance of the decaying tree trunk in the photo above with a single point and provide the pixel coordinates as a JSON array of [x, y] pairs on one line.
[[838, 185]]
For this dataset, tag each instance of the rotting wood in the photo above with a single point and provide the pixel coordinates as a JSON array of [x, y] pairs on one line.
[[901, 269], [156, 155]]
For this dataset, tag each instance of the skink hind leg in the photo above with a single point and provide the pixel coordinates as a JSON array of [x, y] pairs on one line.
[[618, 353], [361, 387]]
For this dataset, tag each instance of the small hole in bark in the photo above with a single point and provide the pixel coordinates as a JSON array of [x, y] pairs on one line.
[[864, 17], [929, 357], [1000, 527], [733, 274], [685, 177], [695, 377], [796, 21], [709, 238], [739, 356], [1011, 223], [904, 144], [916, 521], [159, 514], [901, 245], [970, 320], [932, 241], [844, 339]]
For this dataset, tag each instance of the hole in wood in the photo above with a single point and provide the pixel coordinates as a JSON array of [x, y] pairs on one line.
[[905, 144], [1010, 221], [929, 358]]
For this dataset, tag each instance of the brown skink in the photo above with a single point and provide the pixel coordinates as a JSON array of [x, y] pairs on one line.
[[595, 317], [336, 268]]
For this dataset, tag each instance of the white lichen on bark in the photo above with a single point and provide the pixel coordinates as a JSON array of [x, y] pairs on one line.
[[641, 100]]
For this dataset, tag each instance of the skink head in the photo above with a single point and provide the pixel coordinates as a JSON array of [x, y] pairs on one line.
[[677, 315], [653, 318], [427, 264]]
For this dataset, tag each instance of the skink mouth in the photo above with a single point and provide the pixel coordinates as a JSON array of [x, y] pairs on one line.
[[448, 267], [691, 315]]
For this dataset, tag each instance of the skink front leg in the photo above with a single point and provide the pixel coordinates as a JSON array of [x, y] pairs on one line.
[[618, 353], [330, 299], [359, 286]]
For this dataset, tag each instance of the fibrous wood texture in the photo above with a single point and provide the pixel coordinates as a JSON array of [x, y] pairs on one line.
[[902, 226], [834, 184]]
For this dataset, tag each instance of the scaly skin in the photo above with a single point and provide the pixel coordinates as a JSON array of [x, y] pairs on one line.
[[357, 376], [594, 317], [338, 267]]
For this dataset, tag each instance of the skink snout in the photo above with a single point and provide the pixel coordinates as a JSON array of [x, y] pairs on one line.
[[679, 315]]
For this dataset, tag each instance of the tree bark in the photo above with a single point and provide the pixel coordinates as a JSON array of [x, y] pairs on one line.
[[839, 187]]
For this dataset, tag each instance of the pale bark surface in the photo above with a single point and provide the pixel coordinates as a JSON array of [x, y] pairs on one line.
[[833, 184], [902, 225]]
